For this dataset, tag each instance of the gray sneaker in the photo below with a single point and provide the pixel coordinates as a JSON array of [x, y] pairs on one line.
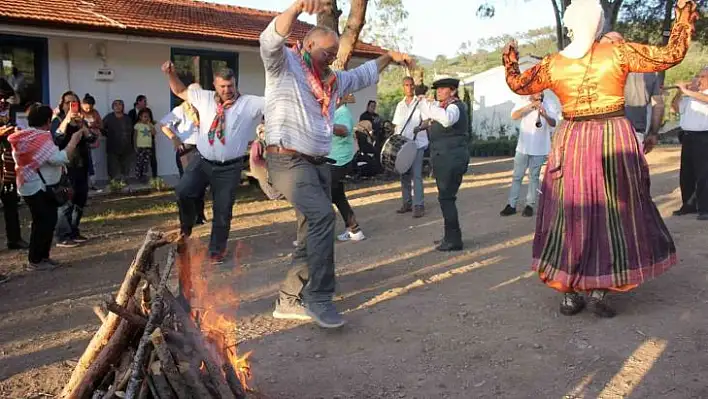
[[325, 314], [40, 266], [290, 311]]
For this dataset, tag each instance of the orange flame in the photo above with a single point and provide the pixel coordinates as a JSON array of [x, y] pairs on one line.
[[210, 300]]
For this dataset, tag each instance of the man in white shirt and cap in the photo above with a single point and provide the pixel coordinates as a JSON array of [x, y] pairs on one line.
[[692, 105], [407, 119], [538, 119]]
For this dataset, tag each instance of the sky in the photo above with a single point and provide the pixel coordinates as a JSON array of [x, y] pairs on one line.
[[442, 28]]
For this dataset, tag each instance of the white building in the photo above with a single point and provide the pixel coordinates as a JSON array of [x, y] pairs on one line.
[[113, 49], [493, 100]]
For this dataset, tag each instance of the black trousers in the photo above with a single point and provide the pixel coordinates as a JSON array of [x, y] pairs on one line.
[[9, 199], [694, 169], [70, 214], [448, 168], [44, 218], [153, 159], [339, 196], [224, 181], [180, 168]]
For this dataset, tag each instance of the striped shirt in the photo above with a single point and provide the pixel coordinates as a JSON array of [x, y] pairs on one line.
[[294, 118]]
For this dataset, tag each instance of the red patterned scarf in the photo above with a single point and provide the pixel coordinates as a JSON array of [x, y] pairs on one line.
[[450, 100], [32, 148], [218, 126], [323, 89]]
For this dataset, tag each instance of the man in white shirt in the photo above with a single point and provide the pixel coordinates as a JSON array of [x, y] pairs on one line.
[[407, 120], [301, 93], [181, 126], [228, 122], [692, 105], [538, 118]]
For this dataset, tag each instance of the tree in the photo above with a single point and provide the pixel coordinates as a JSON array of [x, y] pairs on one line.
[[352, 30], [386, 27]]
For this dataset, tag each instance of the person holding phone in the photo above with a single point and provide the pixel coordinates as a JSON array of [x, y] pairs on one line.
[[65, 124]]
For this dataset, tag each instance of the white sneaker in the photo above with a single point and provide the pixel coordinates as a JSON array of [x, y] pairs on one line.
[[349, 236]]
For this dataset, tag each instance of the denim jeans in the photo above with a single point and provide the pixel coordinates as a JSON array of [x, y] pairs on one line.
[[414, 174], [224, 181], [522, 162], [308, 188]]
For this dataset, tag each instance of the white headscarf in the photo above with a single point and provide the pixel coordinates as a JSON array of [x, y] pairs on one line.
[[585, 19]]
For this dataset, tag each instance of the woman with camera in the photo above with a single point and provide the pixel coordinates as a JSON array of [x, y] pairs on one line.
[[40, 164], [65, 124]]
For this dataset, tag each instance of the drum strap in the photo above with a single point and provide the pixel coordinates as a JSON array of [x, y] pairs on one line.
[[409, 119]]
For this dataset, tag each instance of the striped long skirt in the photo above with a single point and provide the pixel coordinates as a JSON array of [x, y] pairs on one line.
[[597, 226]]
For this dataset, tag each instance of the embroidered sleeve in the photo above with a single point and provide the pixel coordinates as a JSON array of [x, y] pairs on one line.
[[533, 80], [642, 58]]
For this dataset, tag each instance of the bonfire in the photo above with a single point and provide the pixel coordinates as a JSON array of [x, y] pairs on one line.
[[155, 344]]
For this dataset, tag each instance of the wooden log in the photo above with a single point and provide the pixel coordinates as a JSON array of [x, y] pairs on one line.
[[98, 395], [200, 346], [132, 317], [145, 298], [144, 390], [233, 381], [156, 316], [194, 381], [100, 313], [168, 365], [109, 355], [159, 381], [119, 386], [153, 240]]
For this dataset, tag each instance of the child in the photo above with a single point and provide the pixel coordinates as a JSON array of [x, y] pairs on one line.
[[144, 132]]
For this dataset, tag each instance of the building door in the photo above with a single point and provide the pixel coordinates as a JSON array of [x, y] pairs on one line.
[[23, 64], [198, 66]]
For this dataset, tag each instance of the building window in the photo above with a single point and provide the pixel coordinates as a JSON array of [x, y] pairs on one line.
[[198, 66], [23, 64]]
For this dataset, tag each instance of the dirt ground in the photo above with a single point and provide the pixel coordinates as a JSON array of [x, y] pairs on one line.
[[422, 324]]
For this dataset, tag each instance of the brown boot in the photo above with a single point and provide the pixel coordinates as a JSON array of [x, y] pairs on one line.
[[418, 211], [405, 208]]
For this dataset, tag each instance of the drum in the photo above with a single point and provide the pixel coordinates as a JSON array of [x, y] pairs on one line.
[[398, 154]]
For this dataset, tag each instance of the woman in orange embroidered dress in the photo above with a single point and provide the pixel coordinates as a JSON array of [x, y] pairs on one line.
[[598, 229]]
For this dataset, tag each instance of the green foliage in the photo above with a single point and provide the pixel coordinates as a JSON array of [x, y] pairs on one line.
[[116, 185], [387, 102], [385, 26], [493, 147], [158, 184]]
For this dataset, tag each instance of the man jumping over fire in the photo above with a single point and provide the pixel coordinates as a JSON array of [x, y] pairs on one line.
[[301, 93]]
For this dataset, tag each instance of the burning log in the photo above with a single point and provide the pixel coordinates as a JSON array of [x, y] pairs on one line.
[[153, 346]]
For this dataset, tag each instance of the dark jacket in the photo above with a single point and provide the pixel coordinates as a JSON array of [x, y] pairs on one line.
[[81, 157]]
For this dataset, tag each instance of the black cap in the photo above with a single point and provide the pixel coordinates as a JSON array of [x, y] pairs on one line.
[[447, 82]]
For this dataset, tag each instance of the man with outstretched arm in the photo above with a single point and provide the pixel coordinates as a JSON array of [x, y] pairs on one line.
[[301, 93], [227, 122]]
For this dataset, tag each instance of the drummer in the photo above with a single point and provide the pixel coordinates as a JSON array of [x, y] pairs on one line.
[[407, 120], [449, 137]]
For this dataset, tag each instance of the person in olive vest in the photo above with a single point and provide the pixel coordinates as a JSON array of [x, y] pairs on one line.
[[449, 153]]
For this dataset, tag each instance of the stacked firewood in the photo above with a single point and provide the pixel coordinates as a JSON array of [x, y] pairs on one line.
[[149, 345]]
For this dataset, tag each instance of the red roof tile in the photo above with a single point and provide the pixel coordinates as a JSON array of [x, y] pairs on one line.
[[178, 19]]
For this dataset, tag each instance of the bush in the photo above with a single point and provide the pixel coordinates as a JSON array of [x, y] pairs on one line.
[[493, 148]]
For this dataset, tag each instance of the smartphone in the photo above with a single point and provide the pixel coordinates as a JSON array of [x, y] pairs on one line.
[[74, 106]]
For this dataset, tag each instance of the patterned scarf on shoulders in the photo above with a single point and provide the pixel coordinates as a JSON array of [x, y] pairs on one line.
[[323, 88], [218, 126]]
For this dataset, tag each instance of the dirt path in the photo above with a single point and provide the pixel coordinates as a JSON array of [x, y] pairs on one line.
[[421, 324]]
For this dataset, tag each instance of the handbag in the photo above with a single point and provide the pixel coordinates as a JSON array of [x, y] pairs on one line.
[[61, 192]]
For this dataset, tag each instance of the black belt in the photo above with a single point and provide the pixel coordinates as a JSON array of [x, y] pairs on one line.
[[315, 160], [224, 163], [689, 132]]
